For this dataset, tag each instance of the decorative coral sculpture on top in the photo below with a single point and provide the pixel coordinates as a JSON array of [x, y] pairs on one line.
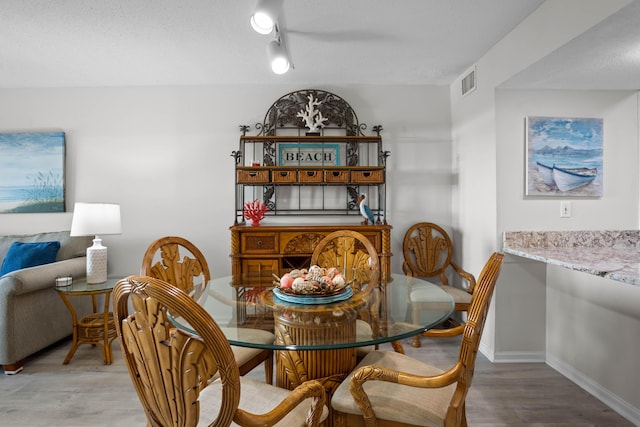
[[311, 115], [255, 211]]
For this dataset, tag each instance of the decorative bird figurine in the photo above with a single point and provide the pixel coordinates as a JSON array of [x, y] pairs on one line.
[[364, 210]]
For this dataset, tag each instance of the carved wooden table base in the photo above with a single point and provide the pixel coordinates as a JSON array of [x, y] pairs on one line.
[[330, 367]]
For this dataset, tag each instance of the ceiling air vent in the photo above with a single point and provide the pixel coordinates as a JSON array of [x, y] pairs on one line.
[[469, 81]]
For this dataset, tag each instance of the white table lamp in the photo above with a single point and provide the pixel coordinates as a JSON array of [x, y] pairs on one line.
[[95, 219]]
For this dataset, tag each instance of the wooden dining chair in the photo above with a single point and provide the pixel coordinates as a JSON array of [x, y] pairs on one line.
[[179, 262], [428, 253], [182, 379], [349, 251], [393, 389]]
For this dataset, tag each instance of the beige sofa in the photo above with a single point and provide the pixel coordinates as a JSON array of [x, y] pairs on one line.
[[32, 315]]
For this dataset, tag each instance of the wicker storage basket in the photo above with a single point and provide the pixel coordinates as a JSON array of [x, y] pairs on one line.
[[258, 176], [336, 175], [367, 176], [288, 176], [307, 176]]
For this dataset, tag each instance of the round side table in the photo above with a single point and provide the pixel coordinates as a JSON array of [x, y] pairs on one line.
[[97, 328]]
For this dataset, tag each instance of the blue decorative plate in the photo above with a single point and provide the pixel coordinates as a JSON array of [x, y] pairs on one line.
[[343, 295]]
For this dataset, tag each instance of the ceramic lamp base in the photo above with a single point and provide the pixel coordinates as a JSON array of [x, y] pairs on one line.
[[97, 262]]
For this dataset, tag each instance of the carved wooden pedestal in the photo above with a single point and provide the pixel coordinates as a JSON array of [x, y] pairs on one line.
[[296, 366], [330, 367]]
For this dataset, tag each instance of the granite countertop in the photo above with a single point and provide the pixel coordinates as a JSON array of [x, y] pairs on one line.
[[611, 254]]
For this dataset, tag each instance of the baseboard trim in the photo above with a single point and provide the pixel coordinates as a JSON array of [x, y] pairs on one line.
[[614, 402], [513, 356]]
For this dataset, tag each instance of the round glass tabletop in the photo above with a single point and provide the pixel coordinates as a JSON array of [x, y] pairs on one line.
[[375, 313]]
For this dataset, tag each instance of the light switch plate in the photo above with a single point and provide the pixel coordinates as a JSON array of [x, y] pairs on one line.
[[565, 209]]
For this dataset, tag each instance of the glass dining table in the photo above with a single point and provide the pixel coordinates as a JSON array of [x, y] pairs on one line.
[[319, 340]]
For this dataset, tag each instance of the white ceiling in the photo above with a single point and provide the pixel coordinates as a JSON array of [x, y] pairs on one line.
[[45, 43], [76, 43], [605, 57]]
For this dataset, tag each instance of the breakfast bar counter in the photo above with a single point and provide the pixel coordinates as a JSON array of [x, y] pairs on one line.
[[579, 307], [611, 254]]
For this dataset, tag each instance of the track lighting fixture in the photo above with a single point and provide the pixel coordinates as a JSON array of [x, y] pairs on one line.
[[265, 15], [277, 54], [265, 21], [278, 57]]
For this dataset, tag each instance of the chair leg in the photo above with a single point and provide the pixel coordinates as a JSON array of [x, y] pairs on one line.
[[268, 369], [416, 320], [463, 421], [416, 341], [397, 347]]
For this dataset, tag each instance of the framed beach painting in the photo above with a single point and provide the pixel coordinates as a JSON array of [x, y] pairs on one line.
[[32, 172], [564, 157]]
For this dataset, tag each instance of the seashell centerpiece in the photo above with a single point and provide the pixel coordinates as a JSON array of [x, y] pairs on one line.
[[313, 281]]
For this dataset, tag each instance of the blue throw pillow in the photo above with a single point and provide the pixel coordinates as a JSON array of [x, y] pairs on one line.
[[23, 255]]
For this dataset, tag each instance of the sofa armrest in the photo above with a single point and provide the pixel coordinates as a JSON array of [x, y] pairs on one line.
[[41, 277]]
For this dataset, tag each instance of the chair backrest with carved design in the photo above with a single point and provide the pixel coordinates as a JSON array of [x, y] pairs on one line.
[[476, 318], [179, 263], [349, 251], [428, 252], [169, 368]]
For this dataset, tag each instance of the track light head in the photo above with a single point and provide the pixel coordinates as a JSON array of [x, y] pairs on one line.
[[278, 58], [265, 15], [264, 20]]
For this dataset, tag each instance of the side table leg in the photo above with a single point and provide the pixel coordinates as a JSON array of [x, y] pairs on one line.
[[106, 348], [74, 319], [74, 347]]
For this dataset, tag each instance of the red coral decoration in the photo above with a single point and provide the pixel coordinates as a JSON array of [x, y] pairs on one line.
[[254, 211]]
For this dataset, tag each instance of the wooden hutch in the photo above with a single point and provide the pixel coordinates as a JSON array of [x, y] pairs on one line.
[[298, 173]]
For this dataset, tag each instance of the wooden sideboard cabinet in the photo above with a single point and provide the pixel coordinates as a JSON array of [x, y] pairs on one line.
[[272, 248]]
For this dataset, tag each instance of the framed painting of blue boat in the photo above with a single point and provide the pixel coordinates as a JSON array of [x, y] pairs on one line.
[[564, 157], [32, 175]]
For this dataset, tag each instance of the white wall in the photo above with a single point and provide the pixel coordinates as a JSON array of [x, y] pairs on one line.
[[564, 317], [618, 109], [473, 116], [593, 336], [530, 300], [163, 153], [522, 303], [473, 129]]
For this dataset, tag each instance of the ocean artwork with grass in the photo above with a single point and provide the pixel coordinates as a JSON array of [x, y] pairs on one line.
[[32, 172]]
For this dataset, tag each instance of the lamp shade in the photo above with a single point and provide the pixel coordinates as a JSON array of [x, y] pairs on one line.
[[95, 219], [278, 58], [92, 219]]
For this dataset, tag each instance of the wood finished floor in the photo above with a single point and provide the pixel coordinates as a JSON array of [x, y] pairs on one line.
[[87, 393]]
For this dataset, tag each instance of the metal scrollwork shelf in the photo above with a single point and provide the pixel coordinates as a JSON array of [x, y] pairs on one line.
[[297, 172]]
